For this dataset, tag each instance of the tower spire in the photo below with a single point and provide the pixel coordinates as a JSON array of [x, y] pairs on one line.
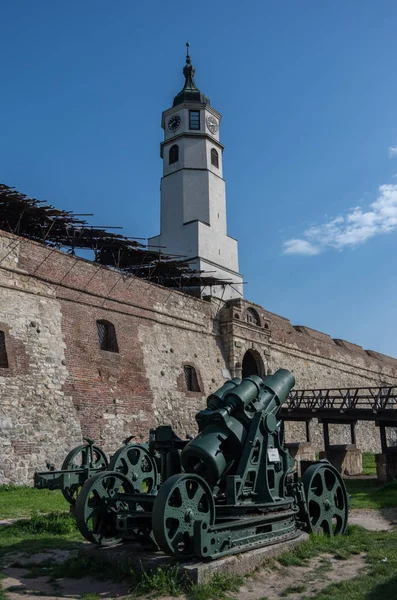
[[189, 92]]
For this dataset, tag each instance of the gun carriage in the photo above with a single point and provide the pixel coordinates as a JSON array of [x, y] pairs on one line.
[[234, 486], [144, 465], [81, 462]]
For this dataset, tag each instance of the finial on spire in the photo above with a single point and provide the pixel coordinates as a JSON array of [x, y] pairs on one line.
[[189, 92]]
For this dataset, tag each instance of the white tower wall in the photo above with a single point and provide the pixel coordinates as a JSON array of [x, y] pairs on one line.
[[193, 194]]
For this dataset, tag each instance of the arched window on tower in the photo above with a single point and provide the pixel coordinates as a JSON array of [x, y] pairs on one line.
[[107, 336], [174, 154], [214, 158]]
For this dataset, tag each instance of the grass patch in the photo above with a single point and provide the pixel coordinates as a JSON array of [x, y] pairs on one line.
[[378, 584], [23, 501], [77, 567], [369, 463], [371, 493], [355, 541], [293, 589], [219, 588], [3, 595], [380, 548], [164, 581], [55, 530], [56, 523], [80, 566], [324, 566]]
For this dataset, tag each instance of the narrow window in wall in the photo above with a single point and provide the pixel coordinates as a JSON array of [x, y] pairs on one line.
[[3, 351], [214, 158], [174, 154], [191, 379], [107, 336], [194, 119]]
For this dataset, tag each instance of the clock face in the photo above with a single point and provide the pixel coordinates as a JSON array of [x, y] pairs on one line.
[[174, 123], [212, 124]]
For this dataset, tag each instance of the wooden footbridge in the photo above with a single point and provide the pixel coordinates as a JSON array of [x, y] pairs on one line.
[[344, 406]]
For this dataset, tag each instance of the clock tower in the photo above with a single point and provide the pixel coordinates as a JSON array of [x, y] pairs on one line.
[[193, 196]]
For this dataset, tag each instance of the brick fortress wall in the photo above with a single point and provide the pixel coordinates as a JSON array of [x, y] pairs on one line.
[[59, 384]]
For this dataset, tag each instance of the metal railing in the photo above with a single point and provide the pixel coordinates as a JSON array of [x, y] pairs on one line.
[[369, 398]]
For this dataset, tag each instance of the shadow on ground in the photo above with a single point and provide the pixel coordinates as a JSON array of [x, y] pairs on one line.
[[387, 590]]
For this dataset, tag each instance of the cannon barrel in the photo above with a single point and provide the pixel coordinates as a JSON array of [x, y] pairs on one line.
[[215, 400], [223, 430], [268, 393]]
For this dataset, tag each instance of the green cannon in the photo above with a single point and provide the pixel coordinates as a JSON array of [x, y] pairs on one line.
[[237, 490]]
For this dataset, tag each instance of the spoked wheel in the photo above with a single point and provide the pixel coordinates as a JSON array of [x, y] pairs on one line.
[[84, 456], [135, 462], [100, 498], [327, 499], [182, 500]]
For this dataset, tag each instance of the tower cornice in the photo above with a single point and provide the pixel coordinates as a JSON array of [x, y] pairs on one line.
[[185, 134], [193, 169]]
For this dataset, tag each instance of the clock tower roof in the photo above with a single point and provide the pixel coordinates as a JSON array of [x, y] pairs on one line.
[[190, 92]]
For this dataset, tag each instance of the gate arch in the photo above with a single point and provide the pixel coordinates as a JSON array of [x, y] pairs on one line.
[[252, 364]]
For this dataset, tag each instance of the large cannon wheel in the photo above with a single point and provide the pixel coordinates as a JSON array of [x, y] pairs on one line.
[[326, 498], [95, 517], [80, 458], [135, 462], [182, 500]]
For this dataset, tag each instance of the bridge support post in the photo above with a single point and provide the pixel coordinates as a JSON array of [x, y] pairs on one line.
[[326, 435], [386, 466], [301, 451], [386, 463], [308, 432], [353, 433], [345, 457]]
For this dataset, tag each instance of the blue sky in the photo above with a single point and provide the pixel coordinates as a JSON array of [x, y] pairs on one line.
[[308, 93]]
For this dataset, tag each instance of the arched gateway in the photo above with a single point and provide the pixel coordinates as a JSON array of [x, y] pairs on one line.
[[252, 364]]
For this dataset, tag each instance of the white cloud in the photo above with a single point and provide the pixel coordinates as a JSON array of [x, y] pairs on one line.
[[300, 247], [355, 228], [392, 151]]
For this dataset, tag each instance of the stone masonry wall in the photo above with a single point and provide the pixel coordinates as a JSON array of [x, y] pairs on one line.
[[111, 395], [37, 419], [60, 385]]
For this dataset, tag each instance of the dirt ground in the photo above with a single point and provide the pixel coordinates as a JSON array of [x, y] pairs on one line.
[[271, 584]]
